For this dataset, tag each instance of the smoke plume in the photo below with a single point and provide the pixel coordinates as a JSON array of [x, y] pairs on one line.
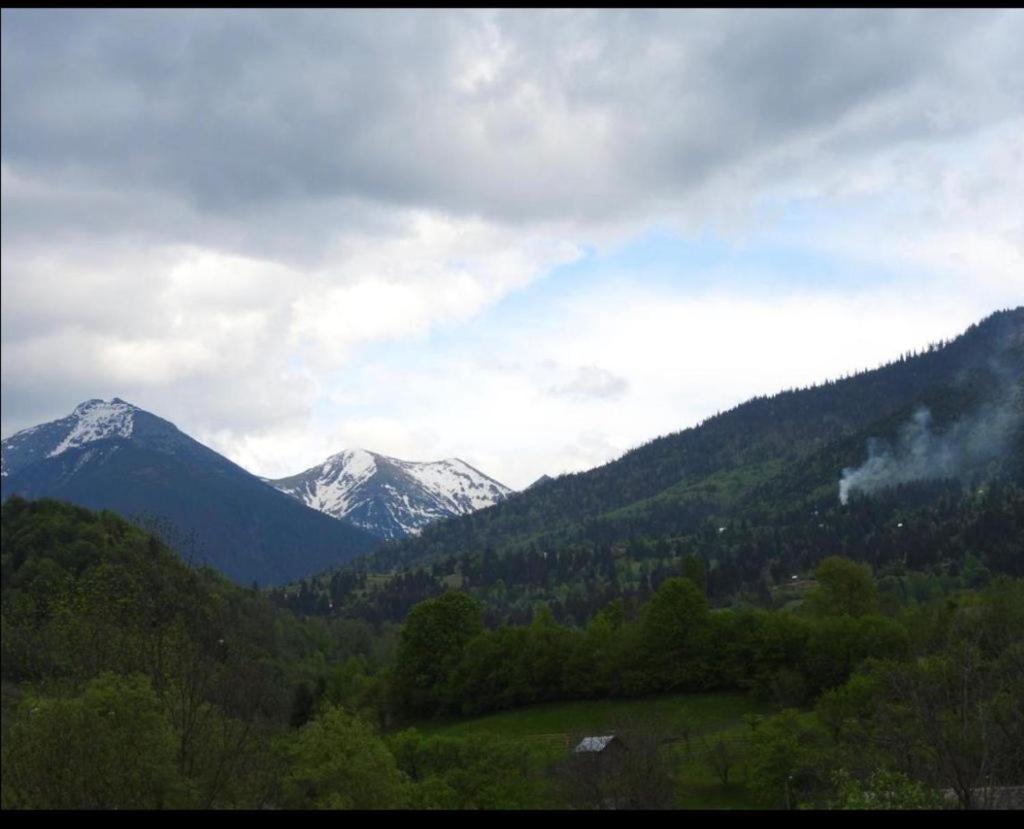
[[922, 453]]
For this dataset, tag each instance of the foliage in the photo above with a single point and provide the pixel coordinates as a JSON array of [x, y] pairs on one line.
[[88, 595], [884, 790], [844, 589], [952, 718], [337, 762], [432, 643], [110, 747], [479, 771], [234, 703], [785, 761]]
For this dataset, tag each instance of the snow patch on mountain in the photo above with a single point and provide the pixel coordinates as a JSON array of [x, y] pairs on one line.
[[456, 481], [95, 420], [334, 491], [91, 421], [392, 497]]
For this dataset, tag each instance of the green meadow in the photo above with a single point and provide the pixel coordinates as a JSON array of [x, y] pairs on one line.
[[691, 723]]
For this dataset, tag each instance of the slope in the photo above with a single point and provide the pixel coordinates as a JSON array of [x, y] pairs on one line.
[[747, 445], [747, 500], [116, 456]]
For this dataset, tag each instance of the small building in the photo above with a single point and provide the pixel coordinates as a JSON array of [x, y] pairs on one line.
[[606, 745]]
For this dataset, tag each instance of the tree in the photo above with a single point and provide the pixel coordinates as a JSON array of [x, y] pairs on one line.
[[884, 789], [722, 756], [955, 719], [672, 627], [336, 761], [431, 645], [836, 646], [110, 747], [844, 589], [696, 570], [785, 761], [479, 771], [303, 703]]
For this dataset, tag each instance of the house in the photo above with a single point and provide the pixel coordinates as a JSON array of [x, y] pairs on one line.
[[608, 745]]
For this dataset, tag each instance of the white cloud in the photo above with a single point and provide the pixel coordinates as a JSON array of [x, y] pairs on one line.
[[221, 217], [684, 359]]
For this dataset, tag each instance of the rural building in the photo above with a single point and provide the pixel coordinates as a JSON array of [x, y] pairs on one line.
[[609, 744]]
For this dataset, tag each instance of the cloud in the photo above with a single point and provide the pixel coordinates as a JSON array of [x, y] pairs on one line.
[[509, 115], [592, 382], [221, 215]]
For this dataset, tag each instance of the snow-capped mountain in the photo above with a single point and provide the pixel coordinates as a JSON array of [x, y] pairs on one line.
[[389, 497], [113, 455], [91, 421]]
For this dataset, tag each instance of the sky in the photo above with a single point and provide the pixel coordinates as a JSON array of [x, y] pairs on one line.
[[528, 239]]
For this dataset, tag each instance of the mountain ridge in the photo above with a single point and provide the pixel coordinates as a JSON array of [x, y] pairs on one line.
[[113, 455], [673, 483], [390, 497], [743, 501]]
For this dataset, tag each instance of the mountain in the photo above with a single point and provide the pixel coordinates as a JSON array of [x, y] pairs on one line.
[[389, 497], [769, 436], [113, 455], [755, 494]]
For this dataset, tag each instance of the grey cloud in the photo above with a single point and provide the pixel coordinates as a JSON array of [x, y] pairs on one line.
[[283, 135], [584, 114]]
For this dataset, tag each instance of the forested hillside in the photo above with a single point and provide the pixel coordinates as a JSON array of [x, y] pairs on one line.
[[131, 681], [755, 441], [932, 447]]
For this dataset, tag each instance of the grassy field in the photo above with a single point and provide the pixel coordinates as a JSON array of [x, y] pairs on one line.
[[702, 718]]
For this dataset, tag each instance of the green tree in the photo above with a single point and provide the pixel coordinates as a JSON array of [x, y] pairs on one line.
[[673, 624], [784, 761], [696, 570], [846, 711], [430, 648], [336, 761], [479, 771], [635, 771], [884, 789], [836, 646], [110, 747], [844, 589]]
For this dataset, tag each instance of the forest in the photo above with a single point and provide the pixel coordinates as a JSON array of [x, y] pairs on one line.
[[920, 539], [133, 681]]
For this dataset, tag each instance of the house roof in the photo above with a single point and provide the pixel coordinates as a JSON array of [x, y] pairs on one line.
[[594, 743]]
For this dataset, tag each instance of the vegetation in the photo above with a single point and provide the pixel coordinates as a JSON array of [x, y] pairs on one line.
[[131, 681], [749, 640]]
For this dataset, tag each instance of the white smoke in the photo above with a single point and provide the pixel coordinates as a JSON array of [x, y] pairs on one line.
[[921, 453]]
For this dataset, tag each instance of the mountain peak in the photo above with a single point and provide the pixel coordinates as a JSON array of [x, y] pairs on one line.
[[392, 497], [113, 455], [98, 403], [95, 420]]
